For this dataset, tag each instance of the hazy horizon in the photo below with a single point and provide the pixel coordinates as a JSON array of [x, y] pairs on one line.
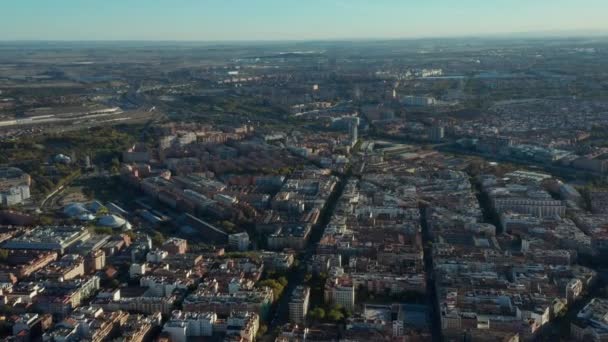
[[582, 34], [291, 20]]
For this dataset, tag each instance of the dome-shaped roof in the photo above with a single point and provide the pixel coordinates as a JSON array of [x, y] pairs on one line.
[[86, 217], [94, 206], [75, 210], [112, 221]]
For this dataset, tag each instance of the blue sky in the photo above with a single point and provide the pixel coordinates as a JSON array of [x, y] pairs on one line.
[[291, 19]]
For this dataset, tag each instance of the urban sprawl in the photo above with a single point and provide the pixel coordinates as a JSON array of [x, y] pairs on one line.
[[373, 191]]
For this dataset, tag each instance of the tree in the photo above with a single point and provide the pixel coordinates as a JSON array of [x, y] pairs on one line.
[[347, 313], [262, 330], [277, 288], [335, 315], [90, 193], [102, 211], [317, 314], [228, 226], [282, 281], [307, 277], [3, 255], [158, 239], [103, 230], [115, 165], [46, 220]]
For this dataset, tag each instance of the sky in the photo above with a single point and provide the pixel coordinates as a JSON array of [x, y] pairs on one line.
[[220, 20]]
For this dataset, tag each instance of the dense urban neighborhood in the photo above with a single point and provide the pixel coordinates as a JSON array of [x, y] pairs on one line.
[[415, 190]]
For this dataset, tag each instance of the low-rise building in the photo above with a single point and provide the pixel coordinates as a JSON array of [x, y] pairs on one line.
[[55, 238], [599, 201], [175, 246], [186, 325], [590, 323], [289, 236], [14, 186]]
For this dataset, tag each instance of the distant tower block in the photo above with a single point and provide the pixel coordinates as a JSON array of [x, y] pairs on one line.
[[436, 133], [357, 92], [354, 130]]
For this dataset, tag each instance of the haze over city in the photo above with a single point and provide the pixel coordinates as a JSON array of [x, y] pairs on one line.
[[217, 20]]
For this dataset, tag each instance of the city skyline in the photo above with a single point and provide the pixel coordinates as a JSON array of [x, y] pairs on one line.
[[239, 20]]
